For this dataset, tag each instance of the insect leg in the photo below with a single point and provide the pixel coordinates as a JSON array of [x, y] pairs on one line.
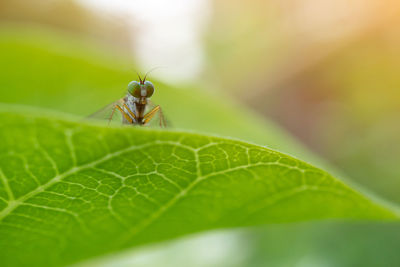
[[163, 123], [130, 111], [126, 116], [151, 114], [112, 115]]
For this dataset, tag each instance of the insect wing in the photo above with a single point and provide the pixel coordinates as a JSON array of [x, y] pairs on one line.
[[159, 118], [109, 112]]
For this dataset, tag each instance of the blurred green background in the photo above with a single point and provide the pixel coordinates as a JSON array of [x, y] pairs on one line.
[[324, 73]]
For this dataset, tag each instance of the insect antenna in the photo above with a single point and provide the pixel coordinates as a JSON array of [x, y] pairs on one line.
[[145, 76], [140, 79]]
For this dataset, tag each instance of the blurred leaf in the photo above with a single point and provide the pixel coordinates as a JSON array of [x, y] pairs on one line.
[[48, 69], [70, 191]]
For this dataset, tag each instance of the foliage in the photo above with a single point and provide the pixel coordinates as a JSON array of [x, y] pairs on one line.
[[71, 189]]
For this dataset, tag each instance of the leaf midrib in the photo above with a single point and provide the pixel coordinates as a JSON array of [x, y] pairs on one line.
[[13, 204], [132, 231]]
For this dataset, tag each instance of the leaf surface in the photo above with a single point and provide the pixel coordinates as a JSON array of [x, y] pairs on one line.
[[71, 191]]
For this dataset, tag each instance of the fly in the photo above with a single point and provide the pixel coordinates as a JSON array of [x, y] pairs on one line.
[[133, 107]]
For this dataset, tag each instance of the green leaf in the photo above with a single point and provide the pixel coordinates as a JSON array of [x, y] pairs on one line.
[[84, 81], [71, 191]]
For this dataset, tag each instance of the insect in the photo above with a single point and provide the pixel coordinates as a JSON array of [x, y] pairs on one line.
[[133, 107]]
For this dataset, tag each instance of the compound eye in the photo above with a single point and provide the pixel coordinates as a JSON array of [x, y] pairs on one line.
[[149, 88], [134, 88]]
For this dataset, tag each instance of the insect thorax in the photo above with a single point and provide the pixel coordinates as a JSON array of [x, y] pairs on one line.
[[131, 102]]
